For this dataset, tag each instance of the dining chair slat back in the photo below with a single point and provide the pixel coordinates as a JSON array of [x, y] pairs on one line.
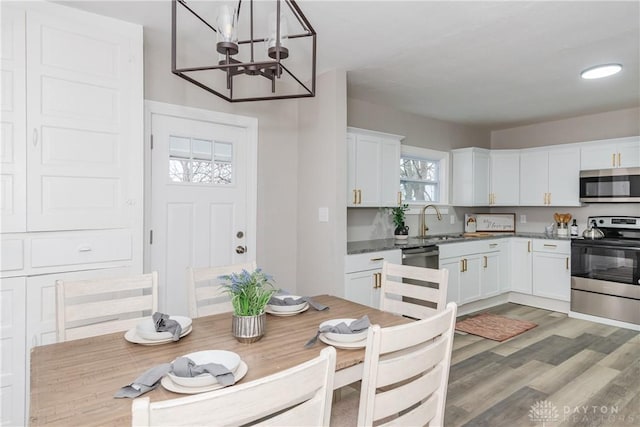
[[411, 291], [406, 371], [205, 292], [298, 396], [86, 308]]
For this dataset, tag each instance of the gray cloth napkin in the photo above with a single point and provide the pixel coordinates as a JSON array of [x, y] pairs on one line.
[[149, 380], [164, 324], [296, 301], [355, 327], [185, 367]]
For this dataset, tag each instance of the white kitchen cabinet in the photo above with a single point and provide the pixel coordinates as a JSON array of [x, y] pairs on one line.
[[552, 269], [470, 177], [612, 153], [72, 191], [363, 275], [454, 265], [12, 348], [476, 269], [504, 171], [373, 168], [521, 265], [550, 176]]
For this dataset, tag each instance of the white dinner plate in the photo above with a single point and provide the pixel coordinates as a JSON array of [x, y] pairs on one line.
[[132, 336], [177, 388], [287, 308], [228, 359], [286, 313], [335, 337], [147, 329], [344, 345]]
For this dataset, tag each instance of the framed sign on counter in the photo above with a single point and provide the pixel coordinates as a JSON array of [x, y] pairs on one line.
[[490, 222]]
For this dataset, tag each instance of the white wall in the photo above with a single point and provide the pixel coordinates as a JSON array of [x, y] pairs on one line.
[[277, 156], [321, 183]]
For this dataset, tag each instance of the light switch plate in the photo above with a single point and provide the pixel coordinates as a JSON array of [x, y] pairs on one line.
[[523, 219], [323, 214]]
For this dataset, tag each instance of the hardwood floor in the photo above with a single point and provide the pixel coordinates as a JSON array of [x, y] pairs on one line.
[[564, 372]]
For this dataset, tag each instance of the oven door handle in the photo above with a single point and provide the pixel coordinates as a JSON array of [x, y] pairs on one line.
[[621, 248]]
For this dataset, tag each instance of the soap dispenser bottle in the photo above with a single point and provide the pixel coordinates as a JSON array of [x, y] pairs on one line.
[[574, 229]]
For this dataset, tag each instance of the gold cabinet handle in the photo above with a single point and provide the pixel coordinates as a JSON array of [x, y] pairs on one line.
[[548, 198], [355, 196], [619, 160], [399, 198], [529, 246], [547, 245], [462, 265], [359, 197], [376, 280], [613, 160], [567, 262], [485, 261], [377, 259], [493, 245]]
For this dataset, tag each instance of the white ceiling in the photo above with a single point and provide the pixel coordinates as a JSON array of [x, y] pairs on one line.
[[497, 64]]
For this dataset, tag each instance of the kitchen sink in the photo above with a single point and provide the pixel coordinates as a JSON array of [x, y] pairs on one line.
[[442, 238]]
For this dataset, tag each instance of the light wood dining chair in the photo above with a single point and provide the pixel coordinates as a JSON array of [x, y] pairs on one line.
[[86, 308], [204, 288], [406, 370], [298, 396], [411, 291]]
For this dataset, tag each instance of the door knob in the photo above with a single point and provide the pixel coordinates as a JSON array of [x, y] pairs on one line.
[[241, 249]]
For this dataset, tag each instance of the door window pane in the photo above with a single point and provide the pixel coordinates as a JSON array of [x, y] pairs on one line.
[[200, 161]]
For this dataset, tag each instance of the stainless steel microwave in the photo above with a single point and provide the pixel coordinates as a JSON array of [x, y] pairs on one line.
[[610, 185]]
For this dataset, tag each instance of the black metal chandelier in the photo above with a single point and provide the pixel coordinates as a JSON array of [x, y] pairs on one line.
[[257, 49]]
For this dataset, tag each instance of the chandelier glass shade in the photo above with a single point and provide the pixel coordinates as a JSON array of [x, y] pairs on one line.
[[248, 50]]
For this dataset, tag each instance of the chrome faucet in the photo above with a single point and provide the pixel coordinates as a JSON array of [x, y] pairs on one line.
[[423, 221]]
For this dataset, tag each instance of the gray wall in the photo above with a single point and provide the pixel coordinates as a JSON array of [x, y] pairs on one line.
[[612, 124], [322, 181], [418, 130]]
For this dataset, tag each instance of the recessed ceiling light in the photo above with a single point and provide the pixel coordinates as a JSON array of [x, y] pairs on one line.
[[600, 71]]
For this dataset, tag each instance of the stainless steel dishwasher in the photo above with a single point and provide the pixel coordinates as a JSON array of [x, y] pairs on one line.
[[422, 256]]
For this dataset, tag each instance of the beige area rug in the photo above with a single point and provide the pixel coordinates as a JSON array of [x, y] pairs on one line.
[[494, 327]]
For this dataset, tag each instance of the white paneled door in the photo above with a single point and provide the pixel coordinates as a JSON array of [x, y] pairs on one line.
[[203, 207]]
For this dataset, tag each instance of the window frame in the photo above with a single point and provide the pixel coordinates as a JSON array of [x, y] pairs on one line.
[[443, 171]]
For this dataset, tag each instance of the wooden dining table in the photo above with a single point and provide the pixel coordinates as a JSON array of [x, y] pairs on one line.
[[73, 382]]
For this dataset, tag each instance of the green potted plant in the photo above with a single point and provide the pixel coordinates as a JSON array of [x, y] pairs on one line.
[[250, 292], [398, 215]]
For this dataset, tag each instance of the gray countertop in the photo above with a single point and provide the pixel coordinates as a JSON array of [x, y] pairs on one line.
[[364, 246]]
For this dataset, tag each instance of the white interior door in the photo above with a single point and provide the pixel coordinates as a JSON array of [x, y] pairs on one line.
[[203, 207]]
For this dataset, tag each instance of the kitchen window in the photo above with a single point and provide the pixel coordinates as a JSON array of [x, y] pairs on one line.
[[423, 175]]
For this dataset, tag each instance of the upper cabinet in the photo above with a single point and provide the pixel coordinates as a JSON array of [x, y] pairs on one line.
[[470, 177], [613, 153], [373, 168], [550, 176], [504, 171], [72, 139]]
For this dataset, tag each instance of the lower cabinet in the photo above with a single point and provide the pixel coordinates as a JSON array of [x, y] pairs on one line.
[[477, 269], [541, 267], [362, 277], [12, 330], [552, 269], [521, 265]]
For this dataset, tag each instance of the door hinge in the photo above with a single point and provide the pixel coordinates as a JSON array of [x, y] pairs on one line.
[[152, 142], [151, 237]]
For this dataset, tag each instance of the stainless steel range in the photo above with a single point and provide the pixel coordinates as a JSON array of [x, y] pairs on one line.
[[605, 273]]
